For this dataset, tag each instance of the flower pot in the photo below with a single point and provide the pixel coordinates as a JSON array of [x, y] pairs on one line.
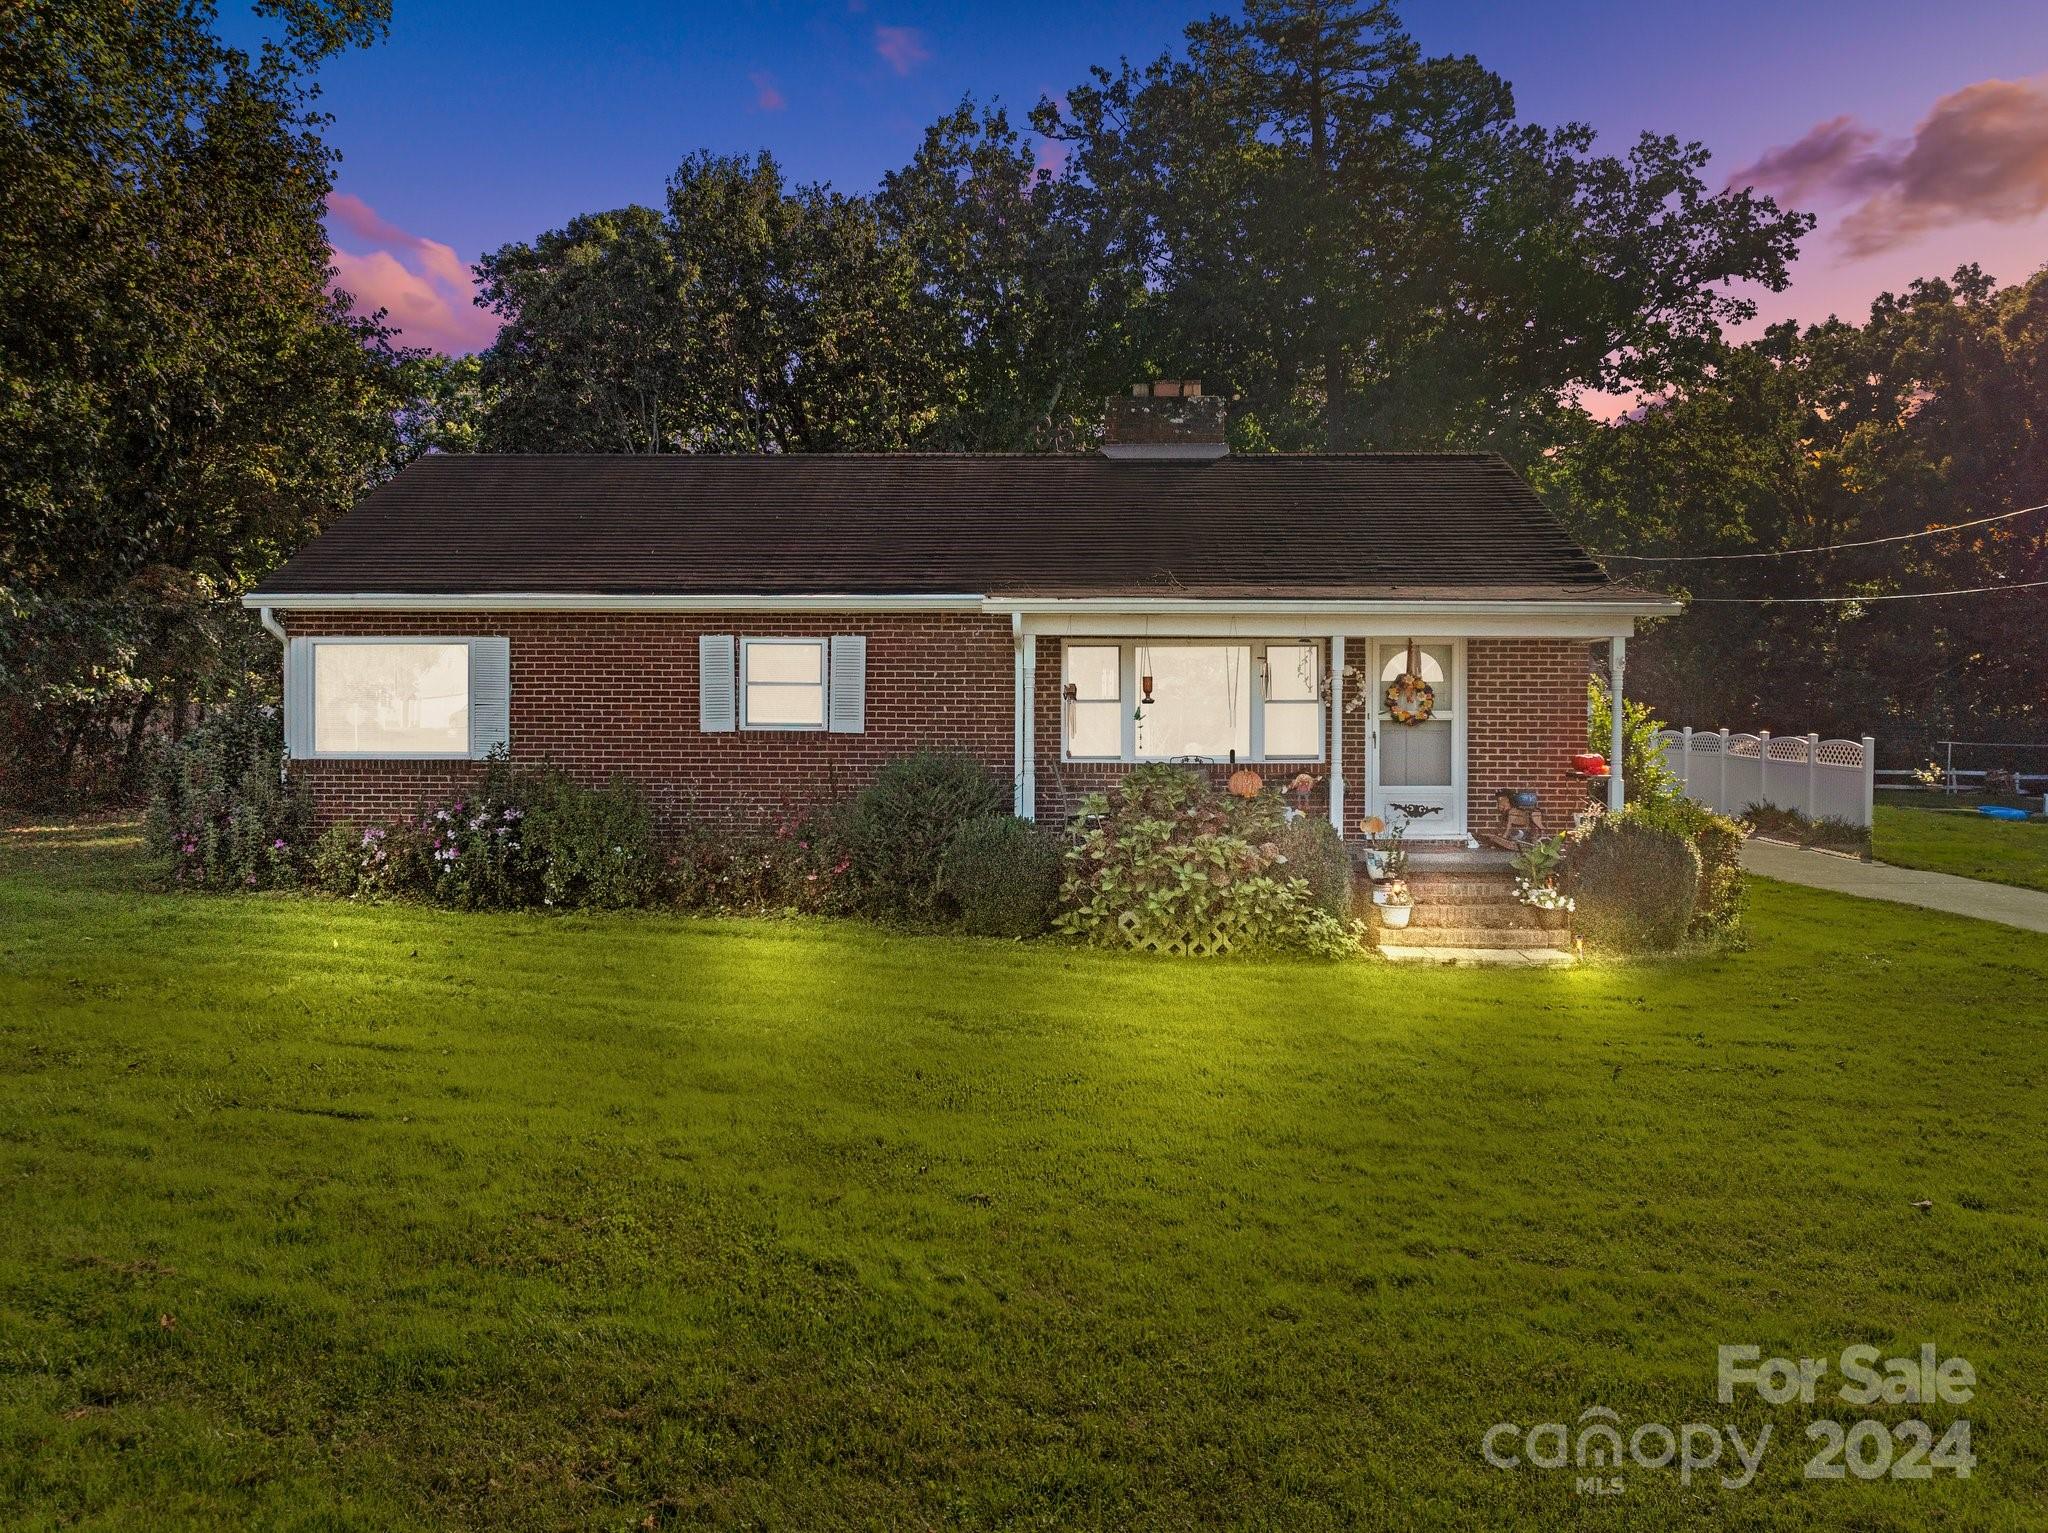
[[1395, 916], [1379, 896], [1375, 864], [1553, 920]]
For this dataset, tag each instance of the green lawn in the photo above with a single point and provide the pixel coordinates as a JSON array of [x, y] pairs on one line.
[[325, 1216], [1930, 830]]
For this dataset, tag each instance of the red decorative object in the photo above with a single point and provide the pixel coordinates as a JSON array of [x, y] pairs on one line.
[[1588, 764]]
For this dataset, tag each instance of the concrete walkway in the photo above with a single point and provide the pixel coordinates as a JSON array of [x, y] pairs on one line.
[[2026, 908]]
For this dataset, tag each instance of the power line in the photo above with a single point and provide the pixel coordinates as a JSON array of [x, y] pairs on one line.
[[1821, 548], [1780, 601]]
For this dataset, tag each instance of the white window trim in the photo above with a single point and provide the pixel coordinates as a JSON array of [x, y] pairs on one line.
[[313, 694], [824, 684], [1255, 686]]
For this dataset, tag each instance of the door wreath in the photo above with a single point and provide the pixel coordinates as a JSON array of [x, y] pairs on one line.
[[1410, 699]]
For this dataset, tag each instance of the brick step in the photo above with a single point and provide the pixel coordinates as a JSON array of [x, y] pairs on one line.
[[1511, 957], [1504, 913], [1461, 891], [1470, 937]]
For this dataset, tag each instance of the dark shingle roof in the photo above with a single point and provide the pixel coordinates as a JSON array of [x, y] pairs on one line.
[[1287, 526]]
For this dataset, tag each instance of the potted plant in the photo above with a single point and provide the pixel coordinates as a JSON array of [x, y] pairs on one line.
[[1536, 867], [1398, 906], [1384, 857]]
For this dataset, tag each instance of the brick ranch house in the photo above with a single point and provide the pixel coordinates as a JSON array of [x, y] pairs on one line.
[[751, 636]]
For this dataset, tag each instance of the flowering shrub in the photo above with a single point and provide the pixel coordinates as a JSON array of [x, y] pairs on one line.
[[796, 870], [517, 839], [1165, 863], [219, 818]]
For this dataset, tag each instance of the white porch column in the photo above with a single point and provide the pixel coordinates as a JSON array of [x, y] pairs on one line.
[[1617, 661], [1337, 733], [1028, 778]]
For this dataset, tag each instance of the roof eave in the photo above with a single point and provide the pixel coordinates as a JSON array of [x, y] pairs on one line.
[[1633, 604]]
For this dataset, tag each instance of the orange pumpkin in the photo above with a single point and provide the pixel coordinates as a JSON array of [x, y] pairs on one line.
[[1245, 783]]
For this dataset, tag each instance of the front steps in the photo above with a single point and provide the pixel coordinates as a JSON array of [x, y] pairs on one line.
[[1466, 912]]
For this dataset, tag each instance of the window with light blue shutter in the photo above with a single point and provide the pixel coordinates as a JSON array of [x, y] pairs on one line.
[[848, 701], [298, 698], [717, 692], [490, 696]]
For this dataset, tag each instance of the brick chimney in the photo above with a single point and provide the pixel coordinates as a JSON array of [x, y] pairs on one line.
[[1168, 419]]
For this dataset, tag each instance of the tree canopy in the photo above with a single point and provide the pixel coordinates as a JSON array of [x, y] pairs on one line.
[[1927, 415], [182, 401], [1363, 246]]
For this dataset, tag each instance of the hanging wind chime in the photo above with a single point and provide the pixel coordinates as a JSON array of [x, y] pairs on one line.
[[1410, 700]]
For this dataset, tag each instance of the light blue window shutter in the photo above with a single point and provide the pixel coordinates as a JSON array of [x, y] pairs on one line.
[[717, 699], [847, 710], [298, 698], [490, 696]]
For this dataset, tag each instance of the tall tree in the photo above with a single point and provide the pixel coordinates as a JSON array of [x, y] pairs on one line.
[[1368, 249], [1018, 315], [593, 355], [1927, 415], [181, 398], [745, 316]]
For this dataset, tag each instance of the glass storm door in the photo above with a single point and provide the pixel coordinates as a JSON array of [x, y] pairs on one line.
[[1418, 770]]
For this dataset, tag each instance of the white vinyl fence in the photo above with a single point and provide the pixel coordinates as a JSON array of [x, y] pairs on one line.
[[1821, 779]]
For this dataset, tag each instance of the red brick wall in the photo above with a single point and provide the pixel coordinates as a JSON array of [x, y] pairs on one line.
[[1527, 703], [599, 693]]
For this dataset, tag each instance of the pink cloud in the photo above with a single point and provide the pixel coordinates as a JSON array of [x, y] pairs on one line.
[[903, 48], [1051, 156], [1981, 154], [423, 286], [767, 96]]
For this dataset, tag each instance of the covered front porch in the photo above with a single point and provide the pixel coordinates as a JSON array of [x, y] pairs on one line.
[[1487, 699]]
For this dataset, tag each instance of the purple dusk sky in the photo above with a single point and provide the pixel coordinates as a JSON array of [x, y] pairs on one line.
[[1918, 134]]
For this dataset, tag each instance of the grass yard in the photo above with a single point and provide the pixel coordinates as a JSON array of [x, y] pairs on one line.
[[326, 1216], [1929, 830]]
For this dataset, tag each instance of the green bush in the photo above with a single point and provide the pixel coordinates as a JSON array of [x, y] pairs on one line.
[[1165, 863], [1312, 851], [336, 864], [594, 848], [1636, 883], [799, 869], [1003, 875], [897, 828], [1717, 908], [219, 817], [1644, 776]]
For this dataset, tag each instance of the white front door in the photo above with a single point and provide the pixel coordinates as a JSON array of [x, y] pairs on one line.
[[1418, 770]]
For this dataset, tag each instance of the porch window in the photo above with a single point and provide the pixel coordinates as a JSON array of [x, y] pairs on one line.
[[1095, 709], [782, 683], [390, 699], [1207, 701]]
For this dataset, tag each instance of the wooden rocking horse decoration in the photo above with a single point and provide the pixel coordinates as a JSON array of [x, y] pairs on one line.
[[1521, 819]]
